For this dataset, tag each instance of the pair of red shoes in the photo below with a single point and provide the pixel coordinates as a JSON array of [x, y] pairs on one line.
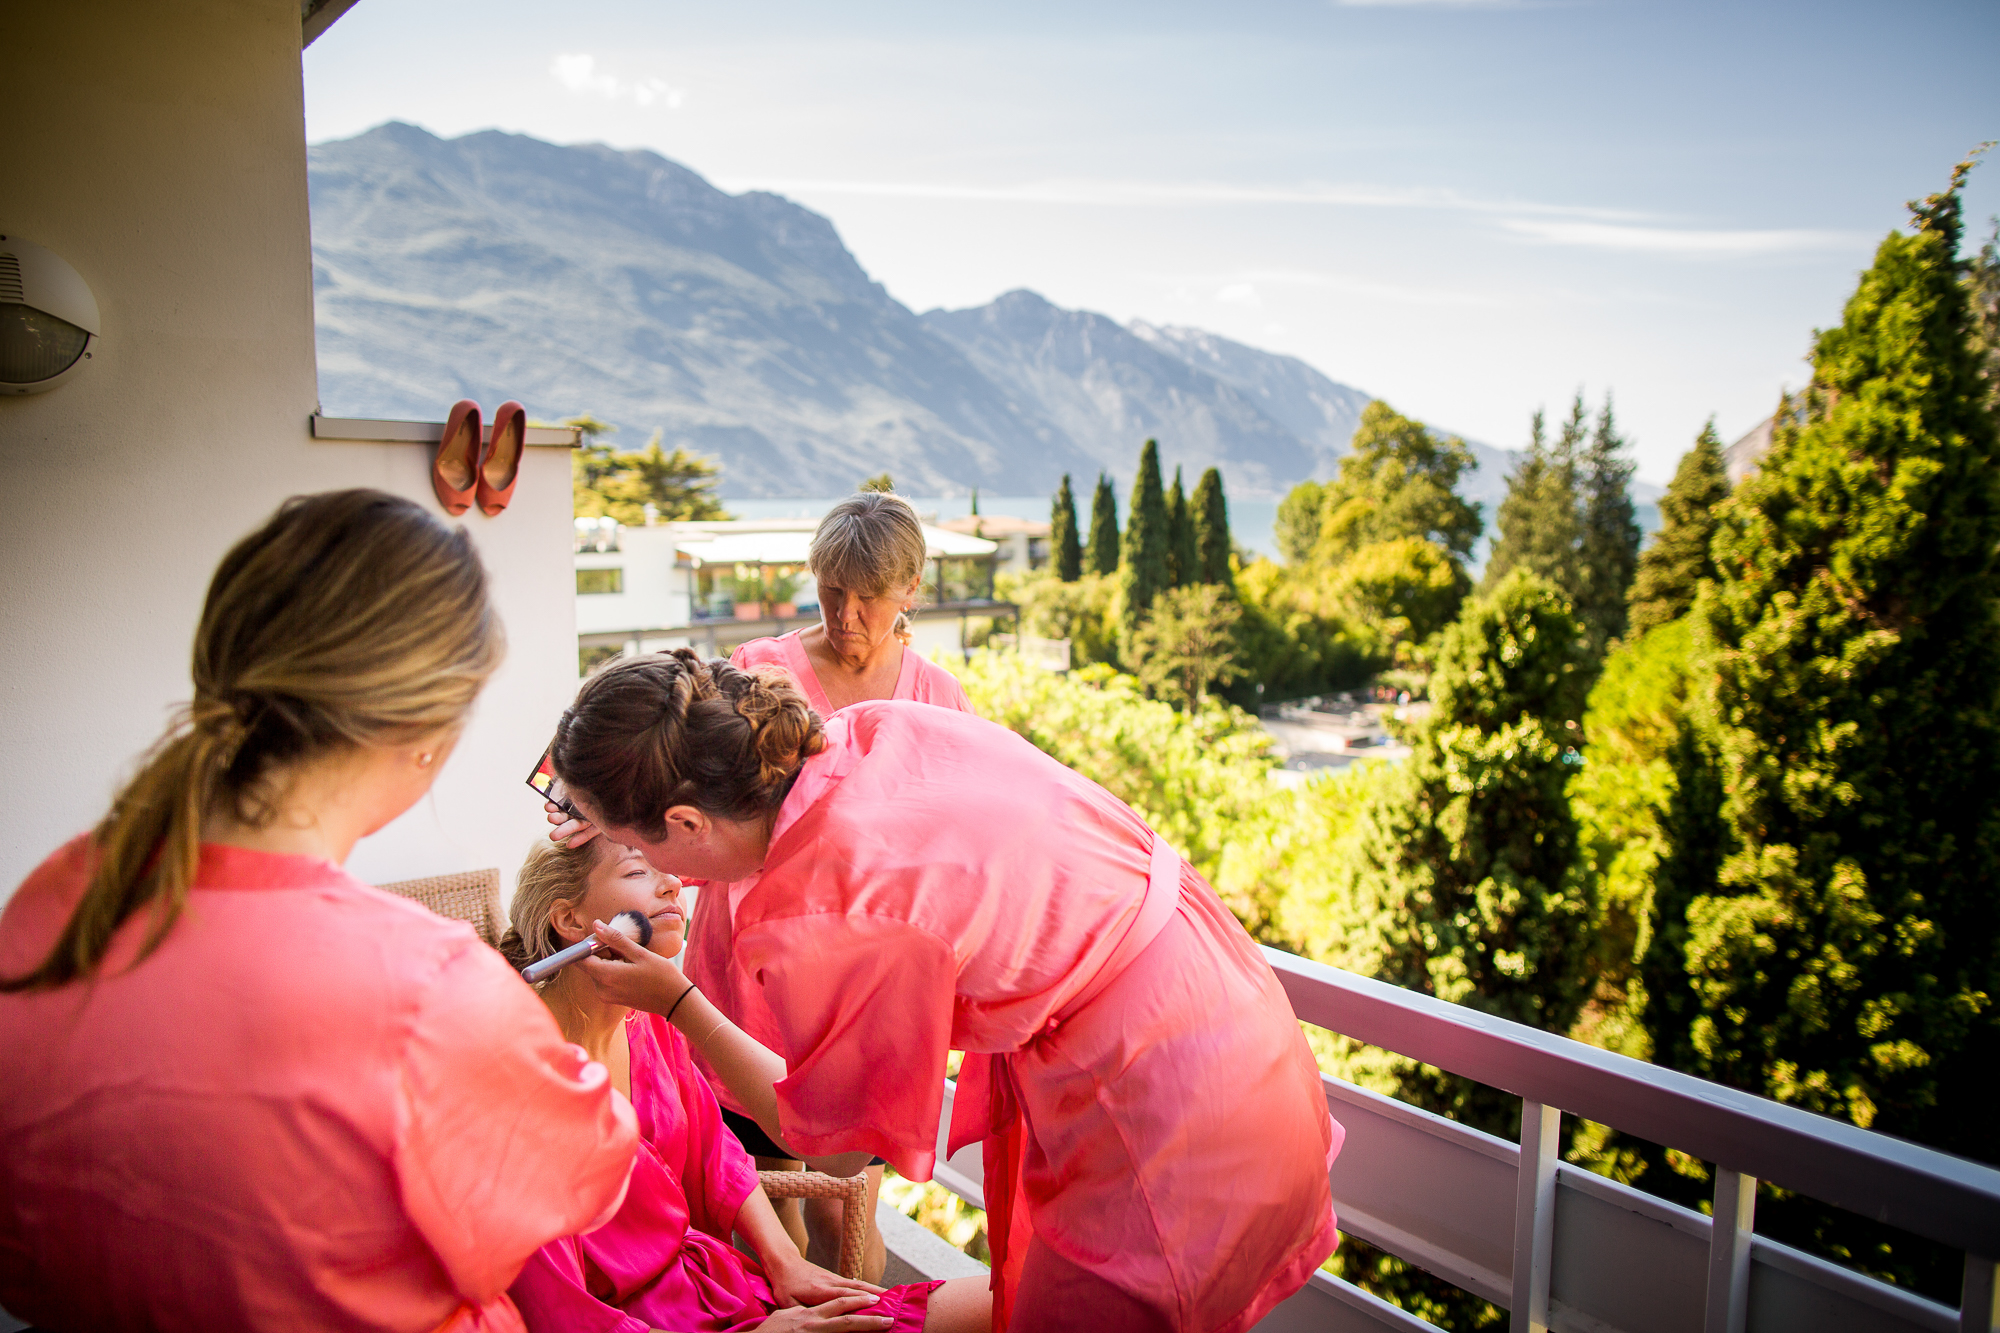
[[472, 464]]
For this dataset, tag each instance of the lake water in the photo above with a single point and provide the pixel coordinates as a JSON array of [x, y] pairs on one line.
[[1250, 521]]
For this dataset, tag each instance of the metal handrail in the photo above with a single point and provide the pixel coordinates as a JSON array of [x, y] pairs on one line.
[[1930, 1193]]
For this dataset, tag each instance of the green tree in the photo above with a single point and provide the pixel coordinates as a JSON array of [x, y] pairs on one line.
[[607, 483], [1678, 558], [1537, 519], [1211, 530], [1065, 551], [1399, 479], [1143, 552], [1297, 528], [1081, 611], [1608, 534], [1185, 645], [1183, 559], [1459, 883], [1846, 961], [1404, 591], [881, 481], [1101, 556]]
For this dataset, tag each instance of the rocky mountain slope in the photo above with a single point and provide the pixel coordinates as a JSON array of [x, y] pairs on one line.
[[586, 278]]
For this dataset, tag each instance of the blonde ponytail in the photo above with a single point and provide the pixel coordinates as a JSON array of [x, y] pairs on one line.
[[351, 618]]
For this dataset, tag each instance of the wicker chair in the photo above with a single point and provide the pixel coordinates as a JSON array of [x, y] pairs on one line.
[[853, 1193], [471, 895]]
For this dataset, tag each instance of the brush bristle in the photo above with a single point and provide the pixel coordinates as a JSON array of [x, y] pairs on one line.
[[633, 926]]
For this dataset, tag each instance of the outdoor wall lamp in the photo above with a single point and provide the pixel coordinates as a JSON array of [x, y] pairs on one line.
[[48, 318]]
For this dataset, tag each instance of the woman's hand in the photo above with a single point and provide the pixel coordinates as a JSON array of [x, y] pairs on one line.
[[569, 830], [846, 1314], [633, 976], [796, 1281]]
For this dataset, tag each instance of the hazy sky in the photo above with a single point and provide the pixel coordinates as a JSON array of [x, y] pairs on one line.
[[1469, 209]]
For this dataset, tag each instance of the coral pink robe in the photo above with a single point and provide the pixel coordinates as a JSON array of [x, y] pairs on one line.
[[665, 1260], [1150, 1110], [315, 1105], [709, 935]]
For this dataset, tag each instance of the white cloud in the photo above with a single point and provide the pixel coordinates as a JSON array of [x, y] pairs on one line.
[[1240, 293], [578, 72], [1691, 242], [1141, 194]]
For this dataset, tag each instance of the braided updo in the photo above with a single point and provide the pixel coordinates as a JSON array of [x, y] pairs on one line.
[[650, 733]]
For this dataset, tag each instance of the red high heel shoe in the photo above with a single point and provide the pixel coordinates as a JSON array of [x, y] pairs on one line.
[[455, 470], [501, 466]]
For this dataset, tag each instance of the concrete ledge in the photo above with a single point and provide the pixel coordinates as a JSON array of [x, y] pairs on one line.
[[917, 1255]]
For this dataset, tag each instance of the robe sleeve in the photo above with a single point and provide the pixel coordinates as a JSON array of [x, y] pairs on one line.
[[718, 1174], [507, 1136], [864, 1007], [551, 1294]]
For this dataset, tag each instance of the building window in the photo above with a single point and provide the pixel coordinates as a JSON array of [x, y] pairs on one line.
[[600, 580]]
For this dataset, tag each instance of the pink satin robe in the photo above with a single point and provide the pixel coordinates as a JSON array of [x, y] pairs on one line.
[[665, 1261], [315, 1105], [709, 934], [934, 882]]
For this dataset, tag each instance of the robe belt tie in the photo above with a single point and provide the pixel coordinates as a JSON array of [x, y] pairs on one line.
[[987, 1107]]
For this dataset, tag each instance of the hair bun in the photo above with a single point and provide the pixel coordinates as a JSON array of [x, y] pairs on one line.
[[784, 730]]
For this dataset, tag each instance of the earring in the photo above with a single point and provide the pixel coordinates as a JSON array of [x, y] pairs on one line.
[[424, 759]]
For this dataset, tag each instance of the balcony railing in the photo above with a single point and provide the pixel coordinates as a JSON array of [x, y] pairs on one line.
[[1564, 1249]]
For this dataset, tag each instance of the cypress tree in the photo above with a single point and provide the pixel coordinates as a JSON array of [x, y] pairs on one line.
[[1101, 556], [1537, 519], [1183, 565], [1678, 559], [1846, 961], [1142, 557], [1460, 885], [1211, 529], [1065, 551], [1608, 534]]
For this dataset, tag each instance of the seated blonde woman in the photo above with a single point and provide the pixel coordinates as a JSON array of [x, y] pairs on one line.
[[867, 556], [664, 1261]]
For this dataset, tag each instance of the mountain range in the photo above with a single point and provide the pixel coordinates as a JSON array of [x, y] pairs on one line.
[[587, 278]]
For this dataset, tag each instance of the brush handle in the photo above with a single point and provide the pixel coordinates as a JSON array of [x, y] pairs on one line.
[[542, 968], [637, 927]]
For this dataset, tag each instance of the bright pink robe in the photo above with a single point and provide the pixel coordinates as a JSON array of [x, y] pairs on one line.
[[665, 1260], [709, 935], [920, 679], [934, 882], [315, 1105]]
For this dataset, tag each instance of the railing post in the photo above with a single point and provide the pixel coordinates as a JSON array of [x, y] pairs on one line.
[[1979, 1300], [1735, 1221], [1535, 1217]]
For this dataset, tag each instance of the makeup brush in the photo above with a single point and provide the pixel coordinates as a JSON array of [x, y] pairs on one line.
[[632, 925]]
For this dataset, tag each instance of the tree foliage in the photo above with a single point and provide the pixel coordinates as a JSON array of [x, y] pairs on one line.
[[1185, 645], [1183, 559], [605, 482], [1537, 519], [881, 481], [1845, 963], [1607, 532], [1065, 551], [1212, 543], [1101, 555], [1143, 559], [1399, 479], [1459, 881], [1678, 558], [1297, 528]]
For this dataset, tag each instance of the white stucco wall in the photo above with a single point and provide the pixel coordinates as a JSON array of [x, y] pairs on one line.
[[160, 149]]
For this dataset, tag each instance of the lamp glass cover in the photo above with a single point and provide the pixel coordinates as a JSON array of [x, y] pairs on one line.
[[35, 346]]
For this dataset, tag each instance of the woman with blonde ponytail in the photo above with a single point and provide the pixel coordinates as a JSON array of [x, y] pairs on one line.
[[245, 1090]]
